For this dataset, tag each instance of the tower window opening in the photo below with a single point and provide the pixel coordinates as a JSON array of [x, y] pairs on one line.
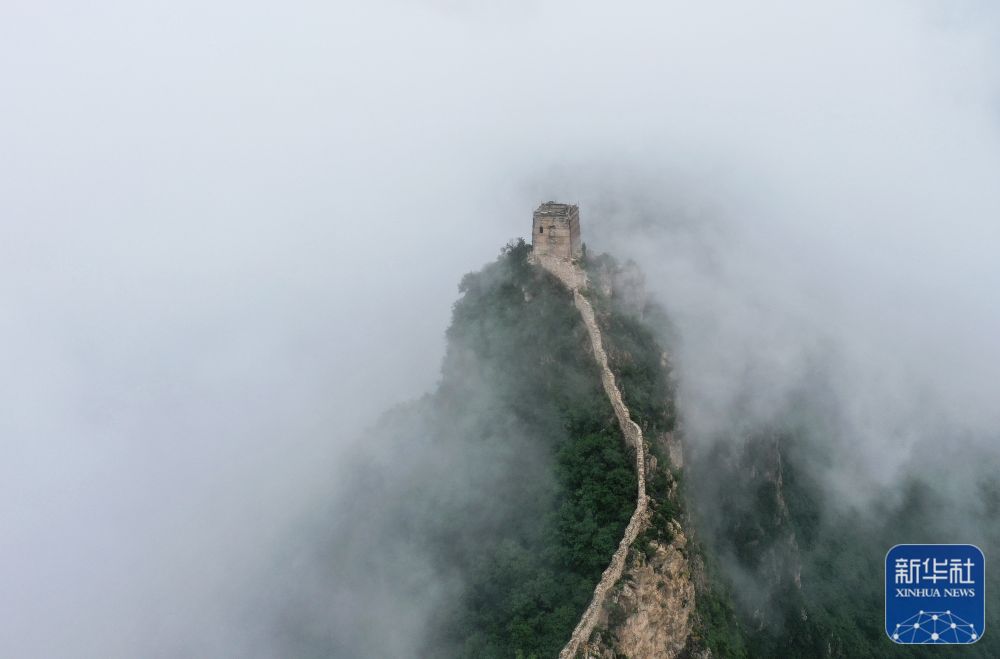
[[541, 229]]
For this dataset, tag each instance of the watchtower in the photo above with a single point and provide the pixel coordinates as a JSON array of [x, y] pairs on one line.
[[555, 231]]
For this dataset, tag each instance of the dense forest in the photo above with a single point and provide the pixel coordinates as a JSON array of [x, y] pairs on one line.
[[498, 499], [786, 574], [516, 334], [492, 505], [812, 570]]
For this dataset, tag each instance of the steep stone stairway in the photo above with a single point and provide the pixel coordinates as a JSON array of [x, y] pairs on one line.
[[575, 279]]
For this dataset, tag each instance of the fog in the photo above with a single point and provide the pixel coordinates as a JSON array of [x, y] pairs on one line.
[[231, 234]]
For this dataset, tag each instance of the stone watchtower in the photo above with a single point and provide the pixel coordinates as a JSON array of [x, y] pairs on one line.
[[555, 231]]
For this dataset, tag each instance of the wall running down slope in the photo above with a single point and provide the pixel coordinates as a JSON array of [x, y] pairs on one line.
[[575, 279]]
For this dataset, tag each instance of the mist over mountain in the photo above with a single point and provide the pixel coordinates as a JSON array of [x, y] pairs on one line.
[[230, 238]]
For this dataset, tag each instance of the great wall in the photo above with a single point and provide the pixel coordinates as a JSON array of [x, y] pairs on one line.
[[573, 277]]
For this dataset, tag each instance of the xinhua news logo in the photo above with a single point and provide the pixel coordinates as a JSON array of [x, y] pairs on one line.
[[934, 594]]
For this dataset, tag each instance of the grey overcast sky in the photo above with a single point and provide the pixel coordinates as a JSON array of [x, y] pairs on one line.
[[231, 233]]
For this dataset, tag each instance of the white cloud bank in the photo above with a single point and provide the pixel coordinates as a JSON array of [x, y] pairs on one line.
[[230, 234]]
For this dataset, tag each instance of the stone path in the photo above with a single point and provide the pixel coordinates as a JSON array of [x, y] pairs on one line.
[[575, 279]]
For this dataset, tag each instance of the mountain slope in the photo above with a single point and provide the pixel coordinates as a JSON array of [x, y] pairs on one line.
[[491, 506], [482, 515]]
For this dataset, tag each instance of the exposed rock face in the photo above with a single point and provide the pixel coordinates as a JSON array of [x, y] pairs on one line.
[[780, 559], [673, 448], [654, 606], [761, 533], [656, 596], [575, 279]]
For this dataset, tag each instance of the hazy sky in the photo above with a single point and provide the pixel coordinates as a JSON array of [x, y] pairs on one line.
[[231, 233]]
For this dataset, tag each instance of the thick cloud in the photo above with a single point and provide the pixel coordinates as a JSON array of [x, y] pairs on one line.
[[231, 234]]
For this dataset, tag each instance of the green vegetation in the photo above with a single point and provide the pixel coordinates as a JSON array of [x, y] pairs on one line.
[[521, 397], [810, 579], [718, 627], [633, 343], [509, 488], [836, 609], [635, 354]]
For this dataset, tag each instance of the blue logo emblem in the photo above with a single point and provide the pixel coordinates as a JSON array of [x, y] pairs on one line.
[[935, 594]]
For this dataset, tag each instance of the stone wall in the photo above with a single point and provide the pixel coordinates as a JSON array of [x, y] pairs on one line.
[[575, 279], [557, 235]]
